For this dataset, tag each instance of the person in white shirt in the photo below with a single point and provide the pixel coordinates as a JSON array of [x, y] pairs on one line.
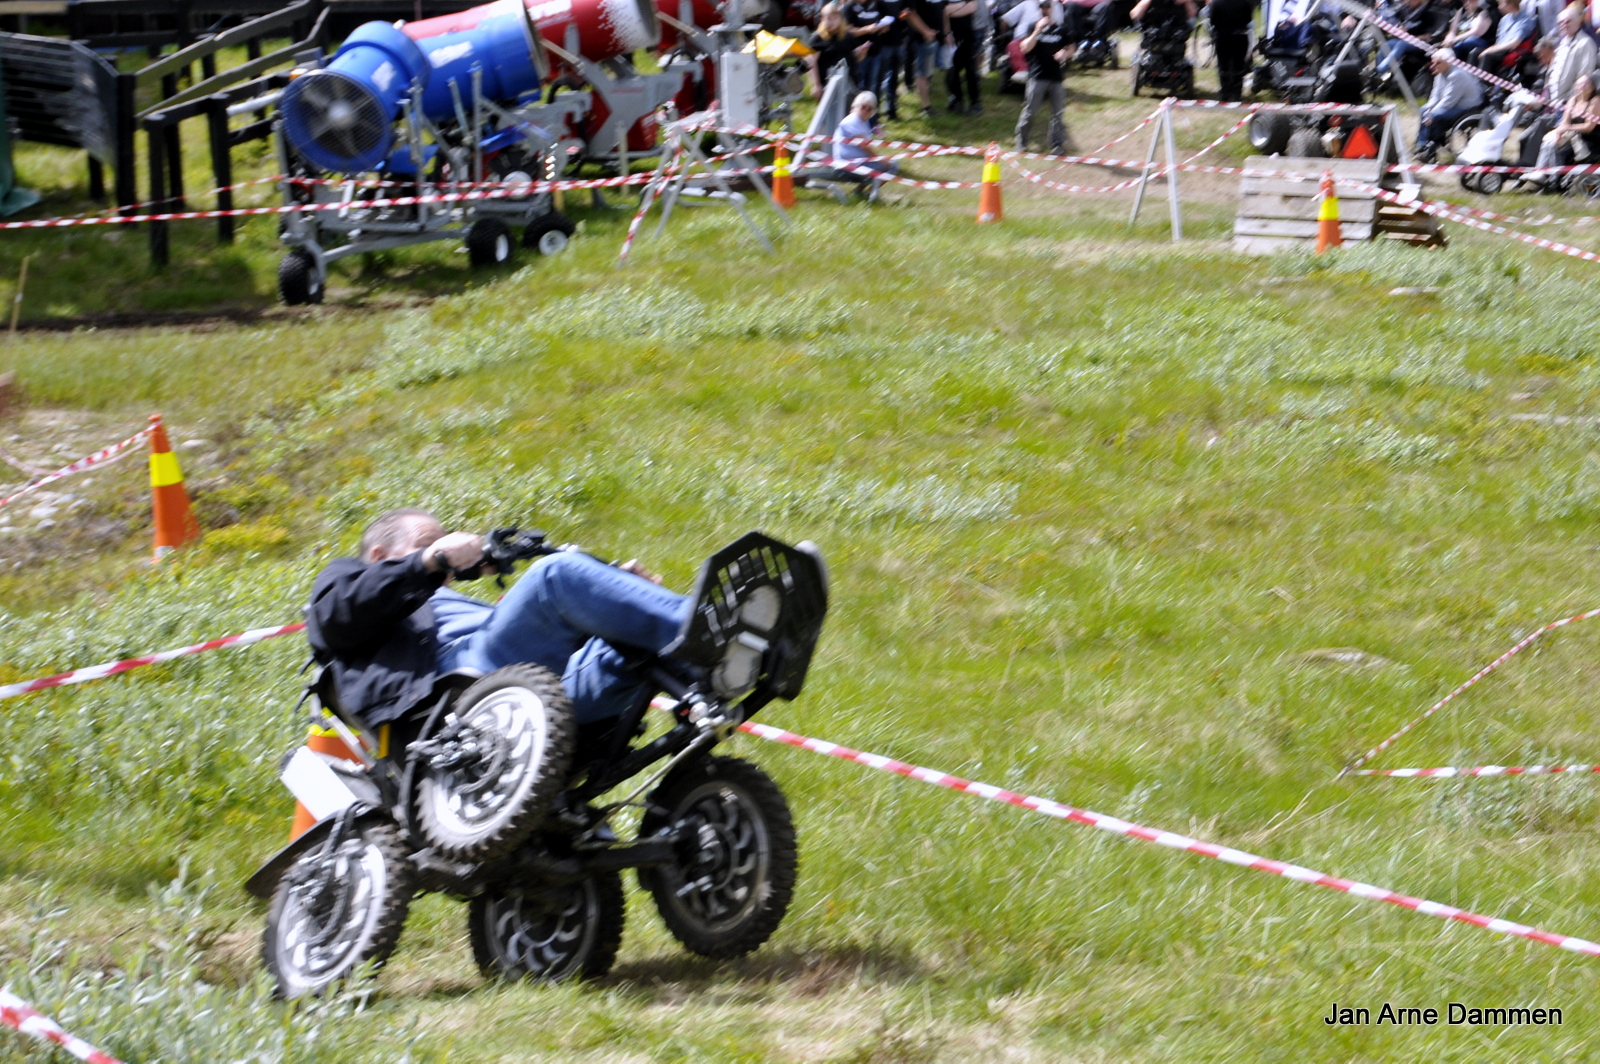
[[1576, 55]]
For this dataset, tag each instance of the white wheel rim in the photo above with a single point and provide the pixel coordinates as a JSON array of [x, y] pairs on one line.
[[314, 955], [552, 242], [502, 248], [516, 716]]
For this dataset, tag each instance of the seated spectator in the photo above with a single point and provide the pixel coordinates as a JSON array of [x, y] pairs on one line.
[[1455, 95], [1420, 18], [854, 161], [1575, 55], [1473, 29], [1576, 138], [1513, 39]]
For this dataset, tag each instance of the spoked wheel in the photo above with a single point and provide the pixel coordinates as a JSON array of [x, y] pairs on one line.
[[549, 935], [488, 776], [737, 862], [336, 908]]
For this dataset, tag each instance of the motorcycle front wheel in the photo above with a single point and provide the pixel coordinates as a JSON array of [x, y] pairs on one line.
[[737, 861], [337, 908]]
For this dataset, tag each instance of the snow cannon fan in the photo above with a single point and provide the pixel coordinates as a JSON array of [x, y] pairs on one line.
[[341, 118], [597, 30]]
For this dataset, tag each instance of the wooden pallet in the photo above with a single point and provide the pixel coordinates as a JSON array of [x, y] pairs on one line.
[[1280, 214]]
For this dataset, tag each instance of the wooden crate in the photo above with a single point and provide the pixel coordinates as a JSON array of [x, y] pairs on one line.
[[1280, 214]]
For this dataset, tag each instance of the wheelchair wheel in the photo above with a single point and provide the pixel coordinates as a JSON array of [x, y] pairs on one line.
[[568, 932], [487, 777], [337, 908], [737, 862]]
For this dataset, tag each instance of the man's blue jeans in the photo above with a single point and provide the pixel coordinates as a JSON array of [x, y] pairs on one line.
[[569, 613], [1393, 53], [1435, 128]]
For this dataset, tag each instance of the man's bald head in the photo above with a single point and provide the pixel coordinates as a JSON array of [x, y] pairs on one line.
[[399, 532]]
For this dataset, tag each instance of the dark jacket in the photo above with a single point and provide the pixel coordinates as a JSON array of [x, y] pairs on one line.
[[371, 625]]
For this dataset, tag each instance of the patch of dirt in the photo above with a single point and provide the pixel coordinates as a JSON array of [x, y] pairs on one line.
[[212, 319]]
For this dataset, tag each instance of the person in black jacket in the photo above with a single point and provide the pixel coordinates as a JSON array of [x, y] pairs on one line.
[[1230, 33], [388, 627]]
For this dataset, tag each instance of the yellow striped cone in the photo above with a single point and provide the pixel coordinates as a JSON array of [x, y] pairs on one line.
[[1328, 235], [989, 191], [782, 178], [169, 500]]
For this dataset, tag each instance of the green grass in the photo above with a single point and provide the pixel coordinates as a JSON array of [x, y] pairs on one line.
[[1089, 498]]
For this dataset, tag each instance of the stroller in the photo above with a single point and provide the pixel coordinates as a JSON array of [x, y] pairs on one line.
[[1162, 62]]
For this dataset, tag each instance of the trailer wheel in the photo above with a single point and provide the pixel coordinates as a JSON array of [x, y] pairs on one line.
[[299, 284], [489, 242], [1269, 133], [549, 234]]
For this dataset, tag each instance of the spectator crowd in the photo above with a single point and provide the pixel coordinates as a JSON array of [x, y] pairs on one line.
[[898, 52]]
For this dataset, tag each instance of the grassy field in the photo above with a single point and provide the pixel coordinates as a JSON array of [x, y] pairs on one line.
[[1097, 506]]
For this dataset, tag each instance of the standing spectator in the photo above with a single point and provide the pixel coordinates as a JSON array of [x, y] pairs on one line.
[[867, 23], [1230, 33], [832, 43], [890, 46], [960, 16], [927, 34], [1455, 95], [1047, 49]]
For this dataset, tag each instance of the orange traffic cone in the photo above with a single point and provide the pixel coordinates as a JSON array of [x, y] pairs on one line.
[[319, 741], [989, 191], [1360, 145], [782, 179], [169, 501], [1328, 235]]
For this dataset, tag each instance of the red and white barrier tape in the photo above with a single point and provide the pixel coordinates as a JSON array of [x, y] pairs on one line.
[[100, 457], [1168, 839], [1450, 212], [21, 1016], [1428, 49], [1522, 645], [113, 668], [1480, 770], [23, 467]]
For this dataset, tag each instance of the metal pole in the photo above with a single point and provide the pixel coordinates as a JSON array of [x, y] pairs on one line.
[[1172, 177], [1149, 160]]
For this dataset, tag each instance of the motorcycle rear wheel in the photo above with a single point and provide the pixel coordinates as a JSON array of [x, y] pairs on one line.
[[336, 909], [569, 932], [737, 859]]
